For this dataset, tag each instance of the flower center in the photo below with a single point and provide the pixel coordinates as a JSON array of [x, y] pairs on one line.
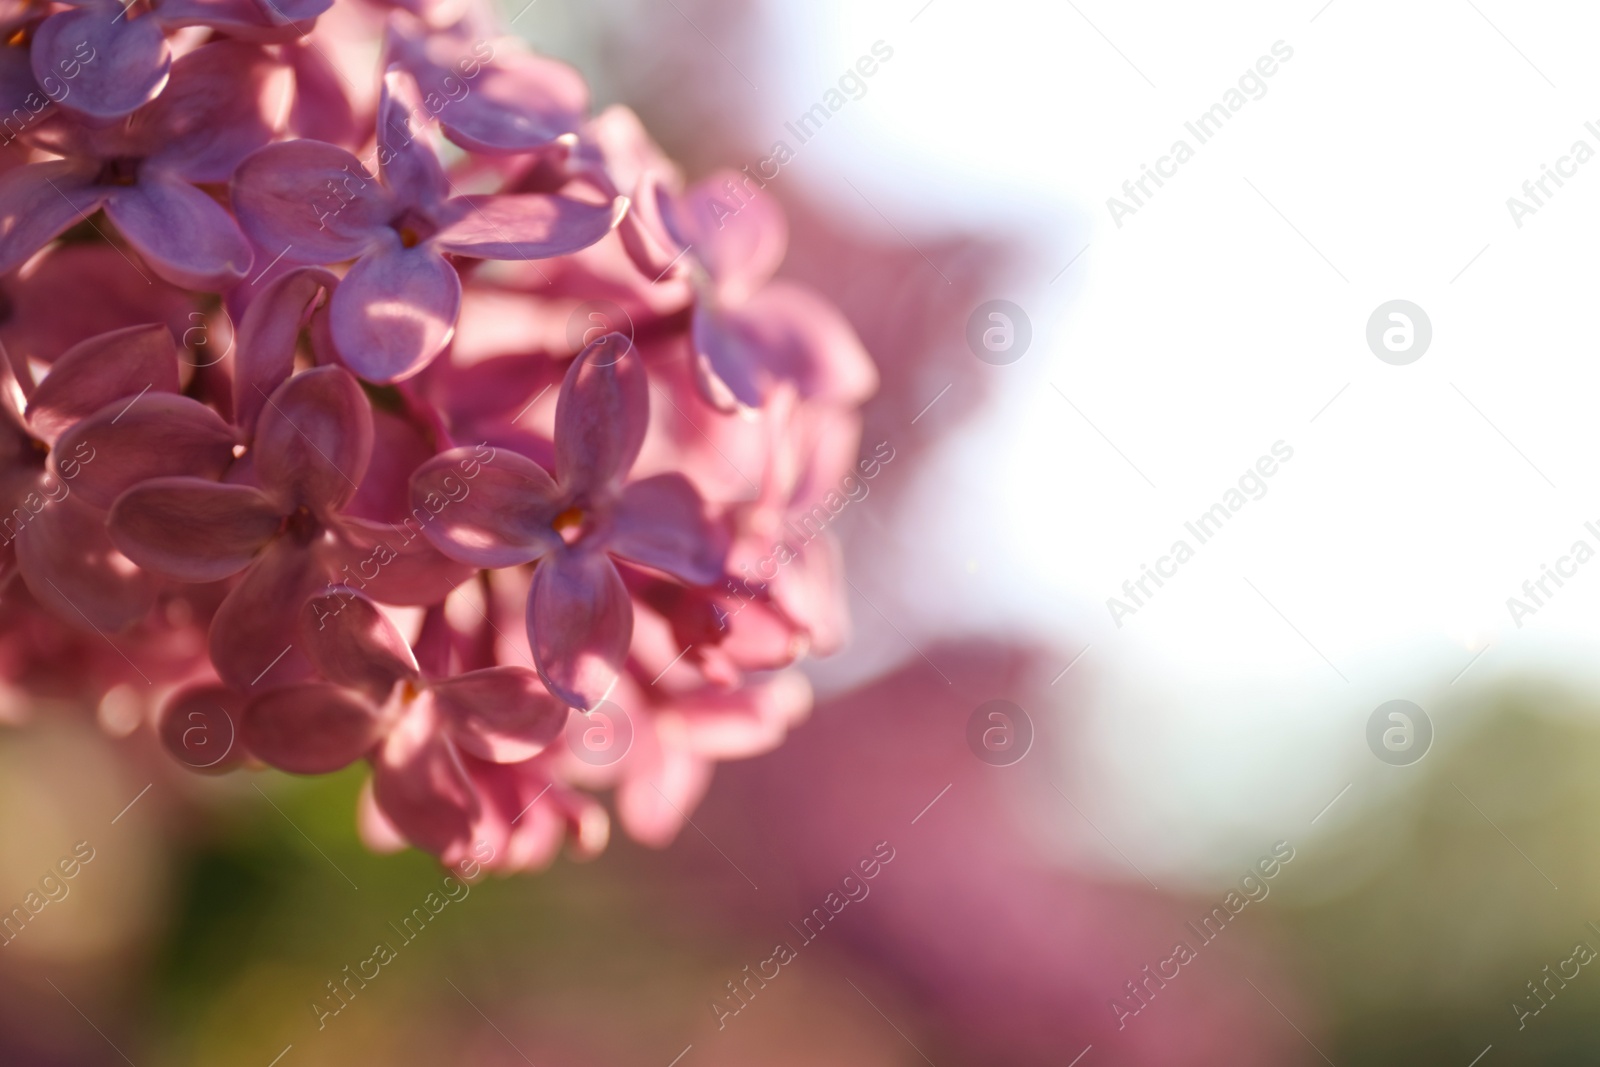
[[302, 525], [569, 524], [124, 170], [413, 228]]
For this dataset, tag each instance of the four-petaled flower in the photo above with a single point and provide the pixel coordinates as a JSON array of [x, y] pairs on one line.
[[580, 617], [397, 307], [377, 702], [220, 106], [289, 536]]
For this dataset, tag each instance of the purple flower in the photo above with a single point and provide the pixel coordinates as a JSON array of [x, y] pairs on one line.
[[112, 59], [579, 616], [418, 731], [396, 308], [106, 417], [290, 537], [490, 97], [726, 237], [144, 171]]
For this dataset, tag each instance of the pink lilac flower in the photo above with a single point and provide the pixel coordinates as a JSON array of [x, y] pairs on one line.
[[43, 314], [749, 331], [198, 533], [219, 106], [727, 236], [269, 332], [290, 536], [490, 96], [378, 703], [580, 618], [397, 307], [679, 736], [114, 58], [525, 814], [119, 59], [105, 417]]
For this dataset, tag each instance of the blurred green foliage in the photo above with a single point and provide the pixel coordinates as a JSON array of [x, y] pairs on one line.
[[1418, 923]]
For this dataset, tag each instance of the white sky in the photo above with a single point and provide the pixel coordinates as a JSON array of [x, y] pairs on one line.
[[1207, 328]]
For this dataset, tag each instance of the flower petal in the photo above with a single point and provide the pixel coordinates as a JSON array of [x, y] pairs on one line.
[[192, 529], [810, 590], [525, 226], [500, 714], [72, 568], [377, 832], [498, 517], [278, 20], [121, 62], [102, 370], [737, 724], [394, 565], [399, 446], [314, 198], [269, 335], [601, 416], [580, 621], [790, 333], [420, 784], [520, 792], [185, 236], [38, 202], [226, 99], [128, 442], [49, 314], [738, 232], [406, 159], [516, 101], [255, 636], [354, 644], [727, 361], [661, 523], [17, 85], [665, 781], [395, 310], [199, 727], [312, 728], [322, 108], [314, 439]]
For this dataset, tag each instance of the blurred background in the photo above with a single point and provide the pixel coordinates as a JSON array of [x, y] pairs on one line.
[[1440, 898]]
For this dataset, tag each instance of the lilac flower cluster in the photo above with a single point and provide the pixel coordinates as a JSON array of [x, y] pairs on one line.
[[427, 506]]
